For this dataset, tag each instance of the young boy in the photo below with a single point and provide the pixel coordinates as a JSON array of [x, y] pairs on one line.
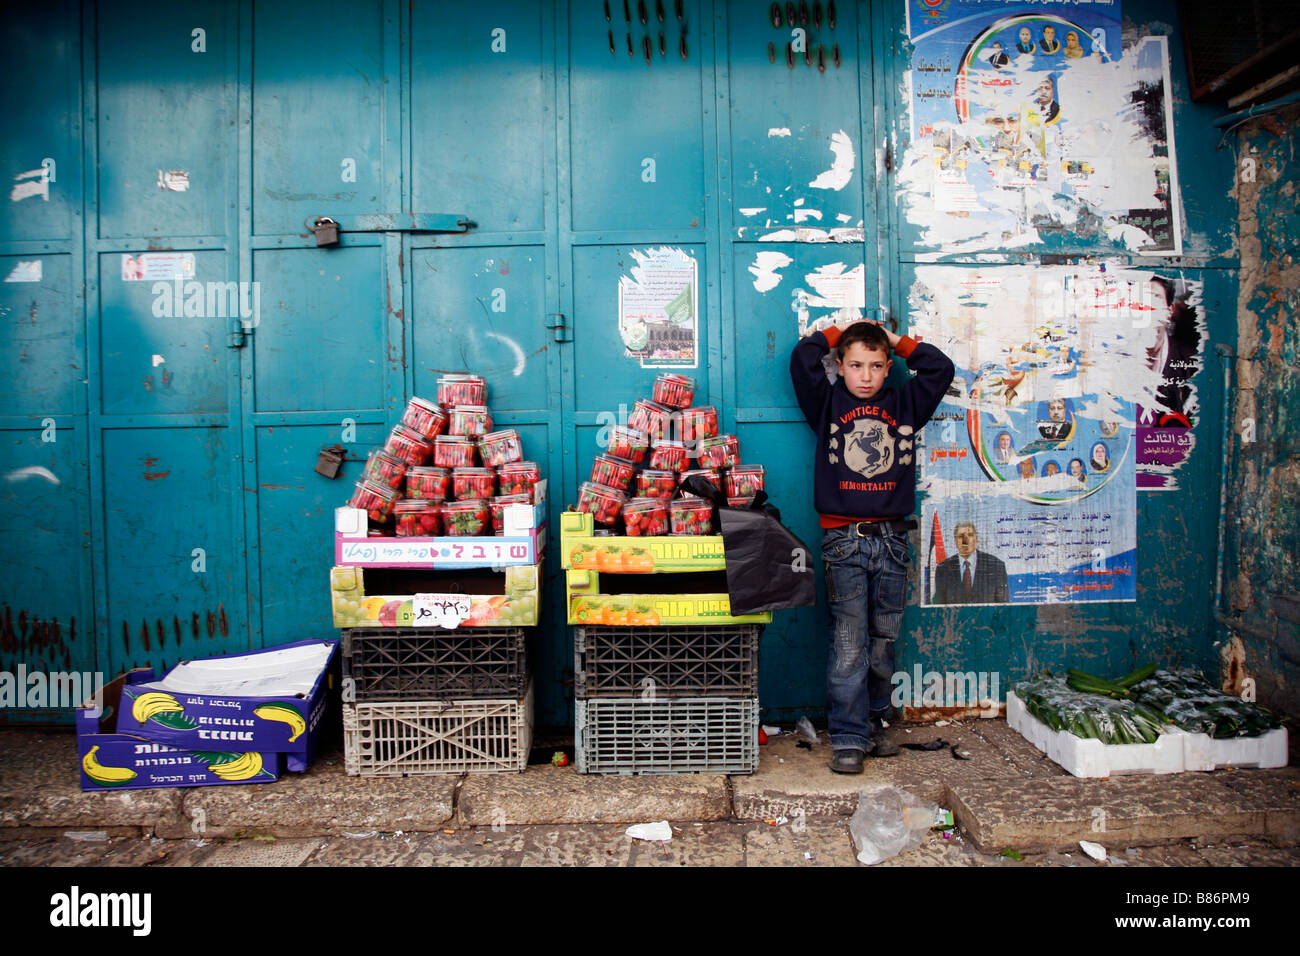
[[864, 490]]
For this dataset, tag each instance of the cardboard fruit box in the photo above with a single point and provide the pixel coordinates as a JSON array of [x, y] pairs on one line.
[[273, 700], [616, 600], [401, 597], [582, 550], [118, 761]]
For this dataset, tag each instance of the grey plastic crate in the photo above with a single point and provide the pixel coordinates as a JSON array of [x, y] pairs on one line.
[[667, 735], [705, 661], [385, 663], [410, 738]]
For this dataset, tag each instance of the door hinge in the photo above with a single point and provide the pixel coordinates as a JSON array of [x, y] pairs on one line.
[[237, 333], [557, 327]]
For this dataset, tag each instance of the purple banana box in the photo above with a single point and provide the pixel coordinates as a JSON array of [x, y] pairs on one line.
[[273, 700], [113, 761]]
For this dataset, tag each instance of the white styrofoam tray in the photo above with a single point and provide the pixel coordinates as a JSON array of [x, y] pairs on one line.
[[1174, 752]]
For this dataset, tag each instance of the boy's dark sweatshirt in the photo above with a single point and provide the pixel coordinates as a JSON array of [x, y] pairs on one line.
[[866, 448]]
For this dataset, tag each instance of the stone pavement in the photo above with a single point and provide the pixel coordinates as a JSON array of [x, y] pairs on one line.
[[793, 811]]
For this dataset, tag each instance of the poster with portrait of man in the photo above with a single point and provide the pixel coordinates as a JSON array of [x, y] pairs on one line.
[[1029, 466]]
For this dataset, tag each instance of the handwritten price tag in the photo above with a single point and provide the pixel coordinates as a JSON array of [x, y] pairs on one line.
[[439, 610]]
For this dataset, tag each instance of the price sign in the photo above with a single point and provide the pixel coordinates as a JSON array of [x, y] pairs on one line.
[[439, 610]]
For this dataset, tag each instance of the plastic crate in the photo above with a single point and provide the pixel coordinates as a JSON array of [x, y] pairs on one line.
[[410, 738], [667, 735], [381, 664], [666, 661]]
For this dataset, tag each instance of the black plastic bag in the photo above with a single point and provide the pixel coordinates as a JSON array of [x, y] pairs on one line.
[[768, 567]]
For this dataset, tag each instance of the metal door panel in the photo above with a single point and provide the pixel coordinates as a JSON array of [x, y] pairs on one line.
[[792, 678], [39, 87], [794, 278], [44, 552], [171, 563], [483, 309], [604, 376], [478, 102], [794, 131], [320, 344], [295, 526], [637, 137], [40, 366], [318, 94], [162, 363], [163, 119]]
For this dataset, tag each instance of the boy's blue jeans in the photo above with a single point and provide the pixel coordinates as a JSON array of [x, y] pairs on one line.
[[866, 588]]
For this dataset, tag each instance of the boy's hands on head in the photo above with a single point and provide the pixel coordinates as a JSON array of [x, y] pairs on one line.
[[894, 338]]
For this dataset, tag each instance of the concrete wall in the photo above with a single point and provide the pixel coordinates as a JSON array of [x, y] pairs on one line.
[[1264, 509]]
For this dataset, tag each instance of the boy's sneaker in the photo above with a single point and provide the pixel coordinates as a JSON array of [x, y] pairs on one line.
[[847, 761], [881, 745]]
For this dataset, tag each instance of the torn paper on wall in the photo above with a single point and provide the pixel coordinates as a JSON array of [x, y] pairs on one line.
[[173, 180], [764, 269], [657, 309], [1031, 125], [34, 182], [25, 272], [841, 171]]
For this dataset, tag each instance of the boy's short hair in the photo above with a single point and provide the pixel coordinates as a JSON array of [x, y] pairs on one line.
[[871, 335]]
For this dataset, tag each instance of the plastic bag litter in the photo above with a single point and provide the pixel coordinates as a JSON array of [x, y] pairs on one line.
[[888, 821], [804, 728]]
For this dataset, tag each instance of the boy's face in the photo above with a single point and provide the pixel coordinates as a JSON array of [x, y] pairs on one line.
[[864, 370]]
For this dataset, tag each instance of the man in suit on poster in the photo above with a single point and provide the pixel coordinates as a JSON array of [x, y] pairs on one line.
[[970, 576]]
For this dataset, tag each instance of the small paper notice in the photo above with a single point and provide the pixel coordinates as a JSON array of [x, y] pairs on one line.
[[155, 266], [439, 610]]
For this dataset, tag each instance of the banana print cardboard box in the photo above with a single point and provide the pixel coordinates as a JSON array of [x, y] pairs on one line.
[[114, 761], [270, 700]]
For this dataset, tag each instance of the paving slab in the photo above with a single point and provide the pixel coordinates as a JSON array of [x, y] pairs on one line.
[[792, 780], [693, 844], [458, 848], [322, 801], [1132, 810], [816, 841], [559, 795], [262, 853], [132, 851], [1016, 751], [603, 845], [1275, 792], [40, 789]]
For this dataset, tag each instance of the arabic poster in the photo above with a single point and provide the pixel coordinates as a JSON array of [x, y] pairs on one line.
[[1168, 410], [1028, 120], [1029, 466], [657, 309]]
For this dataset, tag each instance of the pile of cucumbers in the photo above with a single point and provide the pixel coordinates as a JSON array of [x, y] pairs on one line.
[[1191, 702], [1132, 709], [1090, 715]]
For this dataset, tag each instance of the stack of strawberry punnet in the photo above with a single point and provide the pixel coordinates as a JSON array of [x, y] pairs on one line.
[[443, 470], [636, 484], [436, 677], [677, 691]]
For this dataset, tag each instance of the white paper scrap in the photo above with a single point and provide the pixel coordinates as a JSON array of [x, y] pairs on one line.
[[660, 831], [1094, 850]]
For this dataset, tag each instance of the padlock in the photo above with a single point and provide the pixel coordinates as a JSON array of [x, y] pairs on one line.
[[331, 461], [326, 231]]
